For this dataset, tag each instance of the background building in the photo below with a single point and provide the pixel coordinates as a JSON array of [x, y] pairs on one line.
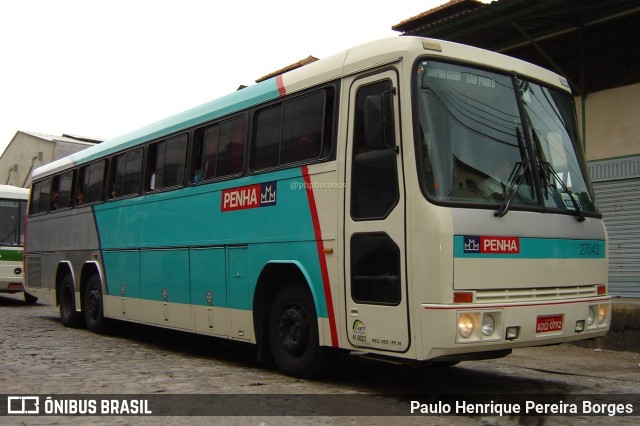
[[596, 45], [28, 151]]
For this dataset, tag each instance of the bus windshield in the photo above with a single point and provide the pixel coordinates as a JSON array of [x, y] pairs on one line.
[[494, 140], [11, 214]]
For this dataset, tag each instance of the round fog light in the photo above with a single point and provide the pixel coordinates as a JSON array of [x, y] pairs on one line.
[[488, 324], [465, 325], [592, 316]]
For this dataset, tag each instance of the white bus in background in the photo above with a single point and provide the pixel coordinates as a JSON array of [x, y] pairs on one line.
[[409, 198], [13, 207]]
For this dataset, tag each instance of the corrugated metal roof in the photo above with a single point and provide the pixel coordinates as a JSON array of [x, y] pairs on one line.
[[450, 10], [63, 138], [594, 43], [303, 62], [494, 25]]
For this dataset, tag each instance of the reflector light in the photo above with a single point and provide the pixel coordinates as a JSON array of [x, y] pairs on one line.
[[431, 45], [602, 289], [462, 297]]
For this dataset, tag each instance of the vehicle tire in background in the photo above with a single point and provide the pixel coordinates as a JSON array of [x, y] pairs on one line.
[[93, 307], [66, 299]]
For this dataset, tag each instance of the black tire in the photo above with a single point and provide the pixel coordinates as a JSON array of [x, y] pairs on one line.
[[93, 308], [67, 301], [293, 334], [30, 299]]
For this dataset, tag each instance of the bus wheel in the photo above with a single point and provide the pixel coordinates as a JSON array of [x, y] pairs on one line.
[[93, 307], [68, 314], [293, 333]]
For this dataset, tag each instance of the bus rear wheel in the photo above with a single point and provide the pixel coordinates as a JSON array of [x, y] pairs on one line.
[[93, 307], [293, 334], [68, 314]]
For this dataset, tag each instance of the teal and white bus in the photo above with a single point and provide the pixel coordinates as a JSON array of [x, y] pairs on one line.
[[13, 208], [409, 198]]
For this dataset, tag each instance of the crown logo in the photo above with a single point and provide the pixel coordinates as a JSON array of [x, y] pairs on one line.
[[471, 244]]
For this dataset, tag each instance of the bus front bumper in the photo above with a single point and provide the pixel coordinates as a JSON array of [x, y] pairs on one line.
[[459, 329]]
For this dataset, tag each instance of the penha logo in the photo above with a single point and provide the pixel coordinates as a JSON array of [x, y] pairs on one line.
[[491, 245], [249, 197], [471, 244], [267, 194]]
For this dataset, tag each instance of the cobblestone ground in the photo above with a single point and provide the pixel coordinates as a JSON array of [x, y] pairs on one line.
[[40, 356]]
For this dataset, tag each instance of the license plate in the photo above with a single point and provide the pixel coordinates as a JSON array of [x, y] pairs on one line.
[[549, 323]]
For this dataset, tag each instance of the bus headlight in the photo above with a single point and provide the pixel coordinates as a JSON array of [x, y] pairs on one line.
[[488, 324], [465, 325], [592, 316], [479, 326], [602, 313]]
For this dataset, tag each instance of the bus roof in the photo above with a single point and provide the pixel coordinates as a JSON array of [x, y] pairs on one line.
[[356, 59], [8, 191]]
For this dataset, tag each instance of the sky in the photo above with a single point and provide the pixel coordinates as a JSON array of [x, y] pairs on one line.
[[101, 68]]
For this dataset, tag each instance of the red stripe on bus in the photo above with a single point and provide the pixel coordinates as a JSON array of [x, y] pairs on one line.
[[281, 90], [321, 256], [515, 305]]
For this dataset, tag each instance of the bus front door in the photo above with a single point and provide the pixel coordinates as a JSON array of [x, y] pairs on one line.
[[374, 240]]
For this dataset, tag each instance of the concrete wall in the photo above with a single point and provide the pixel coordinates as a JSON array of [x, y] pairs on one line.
[[613, 122], [27, 152]]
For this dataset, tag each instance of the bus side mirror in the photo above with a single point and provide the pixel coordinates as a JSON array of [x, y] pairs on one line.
[[378, 121]]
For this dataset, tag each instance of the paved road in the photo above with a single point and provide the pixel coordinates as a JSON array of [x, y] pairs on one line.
[[40, 356]]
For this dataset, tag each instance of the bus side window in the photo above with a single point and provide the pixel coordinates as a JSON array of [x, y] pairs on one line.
[[125, 174], [40, 197], [166, 163], [302, 128], [218, 150], [61, 191], [374, 179], [266, 139], [91, 185], [231, 146], [210, 156], [294, 131], [195, 174], [53, 198]]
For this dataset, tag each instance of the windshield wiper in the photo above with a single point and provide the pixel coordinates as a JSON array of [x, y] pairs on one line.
[[547, 169], [515, 178], [580, 216]]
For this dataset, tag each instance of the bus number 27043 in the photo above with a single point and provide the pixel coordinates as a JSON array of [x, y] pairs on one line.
[[589, 249]]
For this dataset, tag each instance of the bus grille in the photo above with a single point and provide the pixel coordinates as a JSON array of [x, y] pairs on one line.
[[33, 272], [531, 294]]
